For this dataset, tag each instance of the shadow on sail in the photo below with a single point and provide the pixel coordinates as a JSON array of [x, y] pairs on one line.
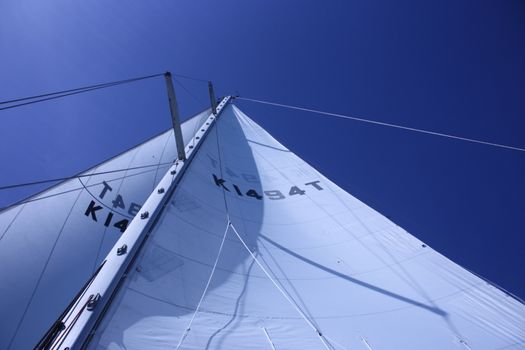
[[170, 275], [256, 249], [372, 287]]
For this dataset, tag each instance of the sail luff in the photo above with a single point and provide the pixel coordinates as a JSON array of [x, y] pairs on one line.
[[98, 294], [362, 280]]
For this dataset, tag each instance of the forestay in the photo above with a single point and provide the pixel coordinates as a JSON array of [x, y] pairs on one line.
[[53, 242], [258, 250]]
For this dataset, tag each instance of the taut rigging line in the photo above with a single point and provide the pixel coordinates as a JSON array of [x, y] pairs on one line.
[[375, 122]]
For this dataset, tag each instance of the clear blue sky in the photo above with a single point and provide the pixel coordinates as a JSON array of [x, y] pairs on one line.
[[450, 66]]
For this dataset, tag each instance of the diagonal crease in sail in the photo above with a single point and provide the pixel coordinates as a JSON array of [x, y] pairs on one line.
[[305, 250]]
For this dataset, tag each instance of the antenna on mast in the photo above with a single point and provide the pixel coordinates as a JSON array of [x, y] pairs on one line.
[[212, 98], [174, 109]]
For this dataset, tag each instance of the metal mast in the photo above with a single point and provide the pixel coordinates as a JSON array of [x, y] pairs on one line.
[[78, 324], [174, 109]]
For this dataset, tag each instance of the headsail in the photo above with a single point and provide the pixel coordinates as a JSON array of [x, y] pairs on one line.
[[258, 250], [51, 243]]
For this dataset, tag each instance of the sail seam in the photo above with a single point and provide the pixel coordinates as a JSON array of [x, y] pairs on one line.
[[32, 197], [42, 274], [39, 182], [199, 262], [118, 191], [12, 222], [35, 198], [102, 203]]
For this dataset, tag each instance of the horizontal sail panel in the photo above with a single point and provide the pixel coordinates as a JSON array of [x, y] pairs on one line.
[[53, 242], [258, 250]]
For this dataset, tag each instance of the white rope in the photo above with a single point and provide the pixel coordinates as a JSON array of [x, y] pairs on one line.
[[268, 338], [385, 124], [280, 289], [366, 343], [258, 263], [187, 330]]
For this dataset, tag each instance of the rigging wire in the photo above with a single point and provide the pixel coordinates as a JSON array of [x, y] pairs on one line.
[[53, 97], [80, 88], [63, 93], [190, 78], [79, 176], [69, 92], [23, 101], [375, 122], [198, 99]]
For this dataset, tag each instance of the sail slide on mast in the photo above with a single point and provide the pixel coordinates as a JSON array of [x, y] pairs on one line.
[[52, 242], [255, 249]]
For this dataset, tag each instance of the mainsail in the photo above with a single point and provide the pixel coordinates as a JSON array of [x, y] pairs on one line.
[[255, 249], [51, 243]]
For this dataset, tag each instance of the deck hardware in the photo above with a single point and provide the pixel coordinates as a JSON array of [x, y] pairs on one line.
[[144, 215], [160, 190], [122, 250], [92, 302]]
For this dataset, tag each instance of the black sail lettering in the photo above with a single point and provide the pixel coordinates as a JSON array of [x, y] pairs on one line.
[[220, 182], [105, 189], [91, 209]]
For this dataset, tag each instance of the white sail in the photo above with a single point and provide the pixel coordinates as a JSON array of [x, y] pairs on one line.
[[258, 250], [53, 242]]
